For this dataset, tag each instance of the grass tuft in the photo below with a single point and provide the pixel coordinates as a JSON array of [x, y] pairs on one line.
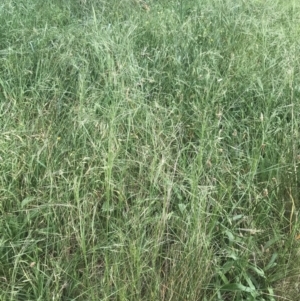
[[149, 150]]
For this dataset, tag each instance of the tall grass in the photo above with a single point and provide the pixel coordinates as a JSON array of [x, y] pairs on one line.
[[149, 150]]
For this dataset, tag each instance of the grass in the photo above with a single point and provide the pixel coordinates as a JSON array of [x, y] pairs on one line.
[[149, 150]]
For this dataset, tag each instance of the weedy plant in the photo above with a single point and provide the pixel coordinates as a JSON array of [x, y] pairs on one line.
[[149, 154]]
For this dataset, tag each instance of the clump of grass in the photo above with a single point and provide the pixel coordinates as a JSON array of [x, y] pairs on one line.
[[149, 154]]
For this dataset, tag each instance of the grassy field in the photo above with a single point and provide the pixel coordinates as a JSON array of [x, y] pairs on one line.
[[149, 150]]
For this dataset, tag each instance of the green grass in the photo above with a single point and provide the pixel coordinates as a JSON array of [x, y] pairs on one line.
[[149, 150]]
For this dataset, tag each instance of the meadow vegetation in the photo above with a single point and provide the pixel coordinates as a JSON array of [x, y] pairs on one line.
[[149, 150]]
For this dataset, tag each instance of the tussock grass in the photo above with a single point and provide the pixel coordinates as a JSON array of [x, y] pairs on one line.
[[149, 150]]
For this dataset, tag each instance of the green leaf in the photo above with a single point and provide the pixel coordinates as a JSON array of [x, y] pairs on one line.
[[107, 207], [228, 266], [229, 235], [233, 287], [272, 262], [271, 294], [260, 84], [182, 208], [271, 242], [27, 200], [258, 271], [237, 217]]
